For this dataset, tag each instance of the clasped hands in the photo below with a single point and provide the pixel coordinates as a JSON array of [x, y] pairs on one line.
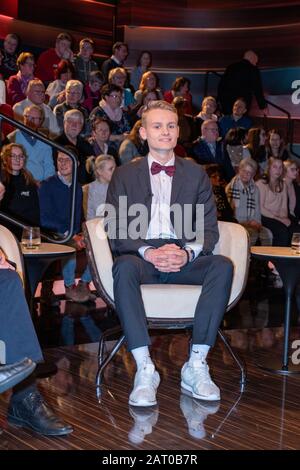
[[169, 258]]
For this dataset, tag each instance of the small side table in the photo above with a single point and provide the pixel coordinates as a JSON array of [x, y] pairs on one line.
[[287, 263]]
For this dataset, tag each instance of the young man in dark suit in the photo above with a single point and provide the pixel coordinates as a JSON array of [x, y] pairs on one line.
[[168, 249]]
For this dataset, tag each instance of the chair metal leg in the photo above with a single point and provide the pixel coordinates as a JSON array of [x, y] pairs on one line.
[[237, 360], [104, 363], [106, 334]]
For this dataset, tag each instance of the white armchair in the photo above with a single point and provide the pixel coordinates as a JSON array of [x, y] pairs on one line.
[[158, 298]]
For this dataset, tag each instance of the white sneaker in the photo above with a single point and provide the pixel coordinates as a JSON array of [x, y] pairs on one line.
[[195, 413], [196, 379], [145, 385], [144, 420]]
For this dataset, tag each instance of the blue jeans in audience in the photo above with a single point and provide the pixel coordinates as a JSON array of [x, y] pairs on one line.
[[68, 270]]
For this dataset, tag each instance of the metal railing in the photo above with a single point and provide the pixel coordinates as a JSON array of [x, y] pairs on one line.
[[60, 148]]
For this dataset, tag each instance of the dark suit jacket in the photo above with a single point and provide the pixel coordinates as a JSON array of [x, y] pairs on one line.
[[203, 155], [190, 185]]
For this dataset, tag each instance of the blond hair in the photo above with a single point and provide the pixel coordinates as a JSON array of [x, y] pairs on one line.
[[97, 163], [161, 105]]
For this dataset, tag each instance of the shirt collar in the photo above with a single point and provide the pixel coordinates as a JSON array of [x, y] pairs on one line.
[[169, 163], [63, 180]]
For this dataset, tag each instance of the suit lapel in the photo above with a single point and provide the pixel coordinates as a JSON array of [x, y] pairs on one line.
[[145, 190], [178, 180]]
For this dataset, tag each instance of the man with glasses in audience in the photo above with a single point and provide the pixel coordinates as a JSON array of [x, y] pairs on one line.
[[36, 95], [40, 160]]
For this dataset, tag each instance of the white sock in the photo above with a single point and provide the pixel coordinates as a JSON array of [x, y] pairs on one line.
[[199, 351], [141, 356]]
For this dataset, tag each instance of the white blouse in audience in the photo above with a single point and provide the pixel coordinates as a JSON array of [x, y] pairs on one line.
[[96, 197]]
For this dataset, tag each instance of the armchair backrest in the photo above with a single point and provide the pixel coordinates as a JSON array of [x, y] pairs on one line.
[[233, 243], [12, 250]]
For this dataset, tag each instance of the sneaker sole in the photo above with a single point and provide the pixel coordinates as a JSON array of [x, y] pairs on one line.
[[199, 397], [142, 403]]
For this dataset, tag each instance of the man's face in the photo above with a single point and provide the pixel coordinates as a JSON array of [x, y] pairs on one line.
[[161, 130], [239, 108], [102, 132], [10, 45], [37, 94], [86, 51], [33, 119], [210, 132], [62, 47], [64, 164], [73, 95], [121, 53], [72, 128]]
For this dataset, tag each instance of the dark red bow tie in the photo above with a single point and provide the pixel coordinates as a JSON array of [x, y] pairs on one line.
[[157, 168]]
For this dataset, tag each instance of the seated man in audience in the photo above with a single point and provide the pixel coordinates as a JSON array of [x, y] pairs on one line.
[[73, 124], [83, 63], [119, 55], [27, 407], [36, 95], [55, 204], [74, 91], [40, 160], [166, 251], [236, 119], [209, 149], [49, 59], [243, 196]]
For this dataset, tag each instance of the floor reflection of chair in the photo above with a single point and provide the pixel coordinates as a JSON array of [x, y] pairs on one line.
[[167, 306]]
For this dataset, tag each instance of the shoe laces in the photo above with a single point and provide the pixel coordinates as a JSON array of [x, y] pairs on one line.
[[201, 370], [35, 400]]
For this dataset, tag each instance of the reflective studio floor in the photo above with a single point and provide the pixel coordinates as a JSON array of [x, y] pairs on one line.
[[265, 416]]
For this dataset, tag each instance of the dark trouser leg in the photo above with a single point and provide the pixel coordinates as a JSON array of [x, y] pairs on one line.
[[17, 330], [215, 274], [281, 233], [129, 272]]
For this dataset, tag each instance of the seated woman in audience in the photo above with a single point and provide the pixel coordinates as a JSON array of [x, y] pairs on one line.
[[92, 90], [234, 145], [149, 82], [291, 175], [133, 146], [274, 203], [17, 84], [187, 133], [208, 108], [147, 96], [275, 145], [238, 118], [118, 76], [110, 109], [102, 168], [143, 65], [56, 90], [21, 193], [256, 145], [99, 140], [243, 196], [181, 87]]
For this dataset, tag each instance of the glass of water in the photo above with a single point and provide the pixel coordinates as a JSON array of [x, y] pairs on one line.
[[31, 237], [296, 243]]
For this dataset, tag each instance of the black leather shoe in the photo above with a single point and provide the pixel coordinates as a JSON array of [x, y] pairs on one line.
[[34, 413], [12, 374]]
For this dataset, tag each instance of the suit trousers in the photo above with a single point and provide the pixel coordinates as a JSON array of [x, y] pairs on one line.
[[17, 332], [213, 272]]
